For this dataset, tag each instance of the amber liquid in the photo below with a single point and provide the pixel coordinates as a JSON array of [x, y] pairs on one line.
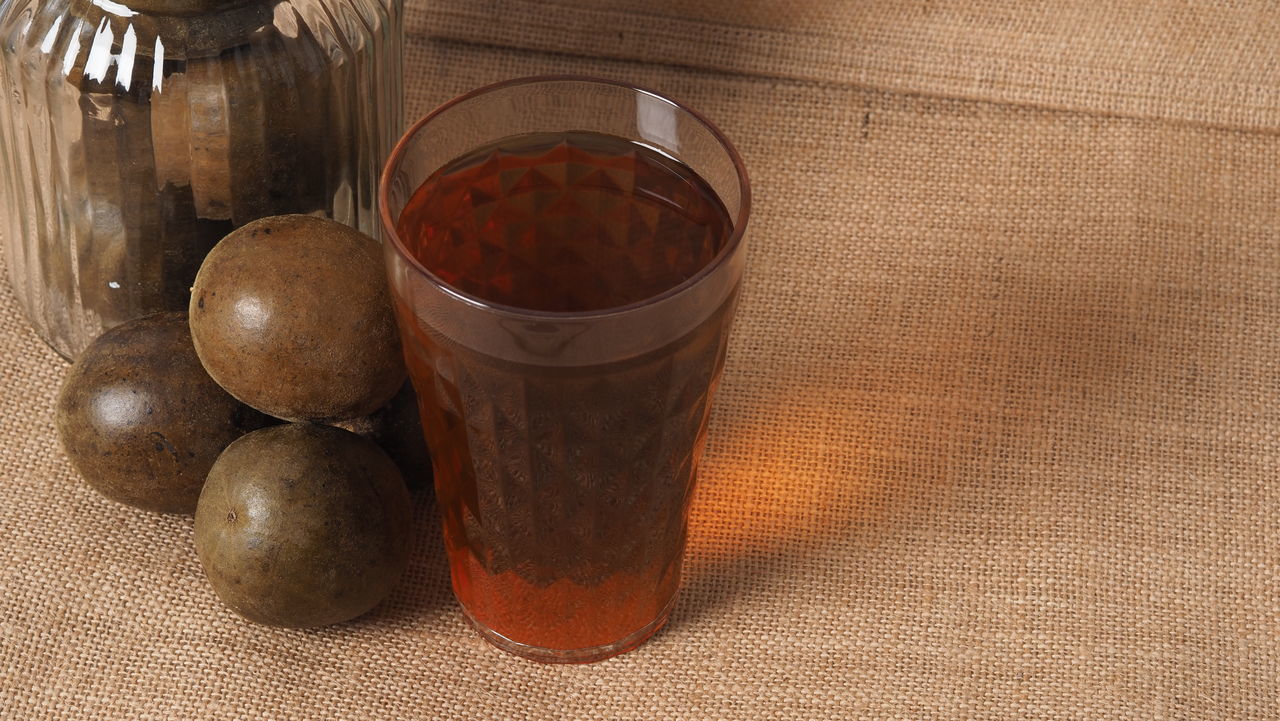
[[564, 490]]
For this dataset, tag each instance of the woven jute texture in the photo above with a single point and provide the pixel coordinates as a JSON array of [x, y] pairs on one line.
[[999, 438]]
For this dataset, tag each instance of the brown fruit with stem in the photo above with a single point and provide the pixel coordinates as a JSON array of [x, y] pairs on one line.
[[303, 525]]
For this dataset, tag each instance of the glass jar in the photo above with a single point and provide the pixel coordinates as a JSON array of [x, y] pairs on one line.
[[135, 134]]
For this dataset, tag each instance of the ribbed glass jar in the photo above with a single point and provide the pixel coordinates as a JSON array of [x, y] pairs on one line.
[[134, 135]]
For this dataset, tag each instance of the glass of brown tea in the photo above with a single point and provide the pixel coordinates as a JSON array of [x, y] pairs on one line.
[[565, 255]]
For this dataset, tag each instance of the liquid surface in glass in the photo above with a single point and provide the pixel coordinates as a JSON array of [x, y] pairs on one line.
[[564, 489], [564, 222]]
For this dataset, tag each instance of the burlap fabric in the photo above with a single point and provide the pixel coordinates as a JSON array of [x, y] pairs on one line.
[[998, 436]]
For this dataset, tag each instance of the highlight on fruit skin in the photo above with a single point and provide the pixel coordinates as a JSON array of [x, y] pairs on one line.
[[292, 315], [141, 421], [303, 525]]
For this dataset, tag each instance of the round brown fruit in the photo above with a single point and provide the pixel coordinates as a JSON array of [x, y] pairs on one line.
[[141, 420], [292, 315], [303, 525]]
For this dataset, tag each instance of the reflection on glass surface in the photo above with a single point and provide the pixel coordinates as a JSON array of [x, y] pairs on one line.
[[134, 135]]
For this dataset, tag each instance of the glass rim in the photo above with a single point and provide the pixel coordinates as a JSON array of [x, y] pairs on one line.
[[730, 247]]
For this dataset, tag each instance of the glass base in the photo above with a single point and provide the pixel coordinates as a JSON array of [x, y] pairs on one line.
[[577, 655]]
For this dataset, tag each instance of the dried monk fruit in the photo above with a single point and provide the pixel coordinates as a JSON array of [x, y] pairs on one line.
[[292, 315], [303, 525], [141, 420]]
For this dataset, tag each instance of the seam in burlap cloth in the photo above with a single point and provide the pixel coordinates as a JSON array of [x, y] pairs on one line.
[[1201, 62]]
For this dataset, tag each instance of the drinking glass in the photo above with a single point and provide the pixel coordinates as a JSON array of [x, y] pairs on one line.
[[565, 444]]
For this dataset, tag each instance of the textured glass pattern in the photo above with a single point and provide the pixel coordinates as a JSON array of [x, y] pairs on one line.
[[564, 222], [131, 141], [565, 256], [566, 488]]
